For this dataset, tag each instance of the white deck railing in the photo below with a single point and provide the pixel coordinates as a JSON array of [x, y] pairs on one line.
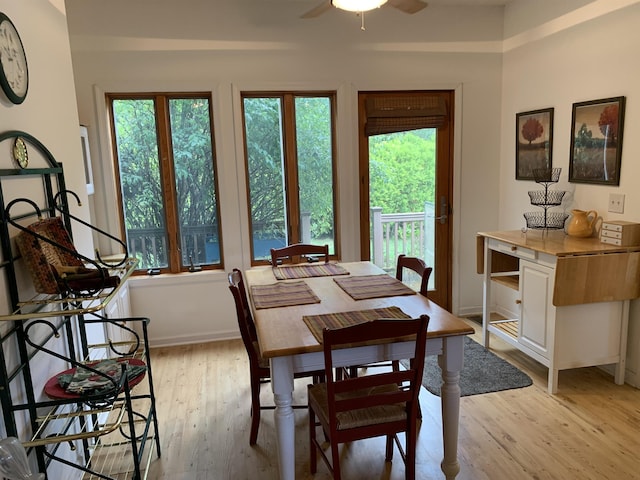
[[396, 233]]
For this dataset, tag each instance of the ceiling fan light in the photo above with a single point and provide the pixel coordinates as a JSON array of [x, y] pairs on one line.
[[358, 5]]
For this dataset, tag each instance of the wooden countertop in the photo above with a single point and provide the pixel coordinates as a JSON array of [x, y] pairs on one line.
[[556, 242], [586, 270], [281, 331]]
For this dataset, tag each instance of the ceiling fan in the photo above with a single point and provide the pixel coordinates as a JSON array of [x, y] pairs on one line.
[[406, 6]]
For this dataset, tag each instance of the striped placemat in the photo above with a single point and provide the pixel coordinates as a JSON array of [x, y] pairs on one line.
[[317, 323], [282, 295], [373, 286], [306, 271]]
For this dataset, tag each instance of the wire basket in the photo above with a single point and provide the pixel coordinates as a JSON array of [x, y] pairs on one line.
[[546, 175], [545, 220], [546, 197]]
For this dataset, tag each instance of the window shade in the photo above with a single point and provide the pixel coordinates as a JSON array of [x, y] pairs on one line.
[[400, 114]]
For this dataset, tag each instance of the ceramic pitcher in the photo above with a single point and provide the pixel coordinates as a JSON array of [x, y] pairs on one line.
[[581, 223]]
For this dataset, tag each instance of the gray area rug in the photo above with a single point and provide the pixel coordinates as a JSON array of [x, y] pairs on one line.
[[483, 372]]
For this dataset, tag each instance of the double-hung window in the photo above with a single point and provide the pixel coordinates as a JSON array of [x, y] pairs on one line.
[[289, 147], [164, 151]]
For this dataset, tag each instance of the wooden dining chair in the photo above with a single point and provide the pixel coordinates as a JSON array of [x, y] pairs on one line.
[[373, 405], [418, 266], [258, 366], [294, 253]]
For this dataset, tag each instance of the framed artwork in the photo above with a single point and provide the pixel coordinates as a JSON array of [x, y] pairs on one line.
[[534, 142], [596, 141]]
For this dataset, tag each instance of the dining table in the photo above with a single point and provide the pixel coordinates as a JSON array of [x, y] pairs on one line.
[[287, 300]]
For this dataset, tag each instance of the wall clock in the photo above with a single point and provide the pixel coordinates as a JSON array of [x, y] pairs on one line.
[[20, 154], [14, 75]]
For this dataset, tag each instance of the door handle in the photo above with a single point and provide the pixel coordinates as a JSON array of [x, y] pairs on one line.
[[444, 211]]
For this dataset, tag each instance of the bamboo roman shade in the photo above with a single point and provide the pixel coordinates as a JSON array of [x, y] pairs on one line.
[[402, 113]]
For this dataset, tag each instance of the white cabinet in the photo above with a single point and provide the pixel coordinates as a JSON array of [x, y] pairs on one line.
[[572, 297], [119, 307], [537, 313]]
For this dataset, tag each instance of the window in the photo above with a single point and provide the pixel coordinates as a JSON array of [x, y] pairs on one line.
[[289, 146], [167, 180]]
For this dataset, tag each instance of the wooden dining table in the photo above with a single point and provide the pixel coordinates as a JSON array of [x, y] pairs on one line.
[[289, 344]]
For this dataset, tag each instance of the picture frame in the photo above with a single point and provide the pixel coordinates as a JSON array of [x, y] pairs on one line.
[[534, 142], [596, 141]]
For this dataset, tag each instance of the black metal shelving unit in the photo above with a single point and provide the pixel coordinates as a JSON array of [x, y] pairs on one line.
[[116, 430]]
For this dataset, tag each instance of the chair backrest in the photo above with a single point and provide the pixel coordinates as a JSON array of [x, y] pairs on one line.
[[417, 265], [243, 312], [292, 252], [357, 392]]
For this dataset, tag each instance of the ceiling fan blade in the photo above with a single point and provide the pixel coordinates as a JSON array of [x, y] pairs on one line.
[[408, 6], [318, 10]]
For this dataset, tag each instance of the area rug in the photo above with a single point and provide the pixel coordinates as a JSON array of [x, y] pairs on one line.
[[483, 372]]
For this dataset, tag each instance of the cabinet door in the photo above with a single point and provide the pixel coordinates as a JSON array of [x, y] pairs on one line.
[[537, 313], [119, 307]]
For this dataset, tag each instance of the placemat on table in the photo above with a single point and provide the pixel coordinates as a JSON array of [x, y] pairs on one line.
[[317, 323], [306, 271], [373, 286], [282, 295]]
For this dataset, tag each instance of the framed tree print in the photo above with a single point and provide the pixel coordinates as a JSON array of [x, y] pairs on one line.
[[534, 142], [596, 141]]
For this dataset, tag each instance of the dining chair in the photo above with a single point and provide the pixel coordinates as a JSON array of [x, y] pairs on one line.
[[372, 405], [418, 266], [292, 253], [258, 366]]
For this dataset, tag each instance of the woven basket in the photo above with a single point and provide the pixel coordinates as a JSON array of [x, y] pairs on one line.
[[53, 269]]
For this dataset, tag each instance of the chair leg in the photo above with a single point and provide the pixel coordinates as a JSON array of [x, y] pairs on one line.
[[410, 459], [313, 454], [335, 459], [388, 454], [255, 411]]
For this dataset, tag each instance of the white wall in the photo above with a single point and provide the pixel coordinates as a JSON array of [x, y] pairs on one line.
[[49, 114], [592, 60], [396, 52]]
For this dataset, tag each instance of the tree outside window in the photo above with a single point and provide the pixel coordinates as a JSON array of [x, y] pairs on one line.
[[166, 176], [289, 144]]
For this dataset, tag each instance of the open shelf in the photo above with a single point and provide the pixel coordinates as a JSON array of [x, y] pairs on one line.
[[508, 280], [47, 306]]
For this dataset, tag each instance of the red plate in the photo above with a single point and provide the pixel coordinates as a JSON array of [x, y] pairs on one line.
[[54, 390]]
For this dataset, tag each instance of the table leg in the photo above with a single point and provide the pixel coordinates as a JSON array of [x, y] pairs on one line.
[[451, 362], [282, 387]]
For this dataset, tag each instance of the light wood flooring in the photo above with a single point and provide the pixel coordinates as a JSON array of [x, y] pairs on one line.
[[590, 430]]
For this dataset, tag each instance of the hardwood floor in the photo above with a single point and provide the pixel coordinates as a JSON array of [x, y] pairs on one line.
[[590, 430]]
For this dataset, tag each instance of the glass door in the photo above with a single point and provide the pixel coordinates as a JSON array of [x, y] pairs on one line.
[[406, 172]]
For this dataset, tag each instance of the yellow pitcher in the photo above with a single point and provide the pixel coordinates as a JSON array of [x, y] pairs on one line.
[[580, 225]]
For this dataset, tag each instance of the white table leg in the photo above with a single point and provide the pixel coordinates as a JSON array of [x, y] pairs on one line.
[[282, 387], [451, 362]]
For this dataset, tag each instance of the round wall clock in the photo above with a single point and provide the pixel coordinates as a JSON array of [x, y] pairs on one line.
[[20, 154], [14, 75]]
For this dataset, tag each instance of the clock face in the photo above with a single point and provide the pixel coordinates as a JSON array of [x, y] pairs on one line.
[[14, 75], [20, 152]]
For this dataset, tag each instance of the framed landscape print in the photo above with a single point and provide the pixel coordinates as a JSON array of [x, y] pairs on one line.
[[596, 141], [534, 142]]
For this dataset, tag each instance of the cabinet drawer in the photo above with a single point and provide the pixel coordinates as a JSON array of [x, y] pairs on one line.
[[611, 240], [612, 227], [511, 249], [611, 233]]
